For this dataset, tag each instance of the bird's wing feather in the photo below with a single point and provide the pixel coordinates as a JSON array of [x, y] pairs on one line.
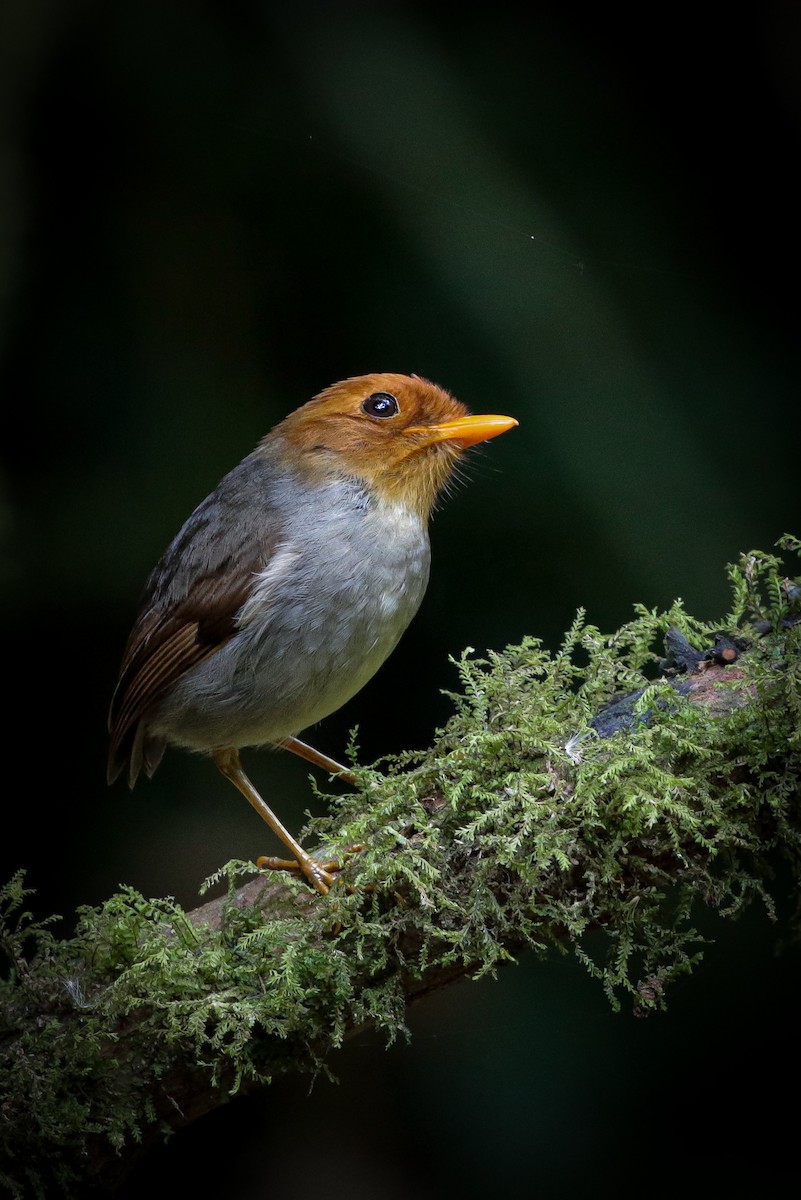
[[191, 602], [166, 643]]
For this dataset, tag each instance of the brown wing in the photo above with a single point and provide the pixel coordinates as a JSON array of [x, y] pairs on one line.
[[163, 646], [191, 601]]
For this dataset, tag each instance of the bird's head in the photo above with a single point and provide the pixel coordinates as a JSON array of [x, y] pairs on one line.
[[400, 434]]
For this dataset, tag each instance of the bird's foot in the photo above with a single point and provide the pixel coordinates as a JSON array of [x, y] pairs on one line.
[[321, 875]]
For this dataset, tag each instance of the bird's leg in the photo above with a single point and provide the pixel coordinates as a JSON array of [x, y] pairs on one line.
[[304, 750], [320, 760], [319, 875]]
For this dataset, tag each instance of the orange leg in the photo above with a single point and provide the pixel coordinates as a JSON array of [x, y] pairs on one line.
[[320, 760], [319, 875]]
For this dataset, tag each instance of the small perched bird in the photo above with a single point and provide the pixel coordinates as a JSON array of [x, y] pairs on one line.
[[291, 583]]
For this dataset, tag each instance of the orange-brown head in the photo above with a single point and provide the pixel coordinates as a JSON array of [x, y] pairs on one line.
[[401, 434]]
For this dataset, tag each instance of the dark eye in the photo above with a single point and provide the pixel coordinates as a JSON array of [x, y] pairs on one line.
[[380, 404]]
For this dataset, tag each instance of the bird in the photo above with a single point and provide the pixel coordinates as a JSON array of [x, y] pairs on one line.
[[290, 584]]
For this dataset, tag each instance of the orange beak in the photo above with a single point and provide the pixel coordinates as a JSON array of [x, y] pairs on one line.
[[467, 430]]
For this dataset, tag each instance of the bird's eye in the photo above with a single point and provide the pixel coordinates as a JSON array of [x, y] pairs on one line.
[[380, 404]]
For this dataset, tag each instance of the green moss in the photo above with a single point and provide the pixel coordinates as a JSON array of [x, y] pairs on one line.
[[528, 825]]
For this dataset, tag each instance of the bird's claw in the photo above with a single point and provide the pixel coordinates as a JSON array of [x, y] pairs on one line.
[[321, 875]]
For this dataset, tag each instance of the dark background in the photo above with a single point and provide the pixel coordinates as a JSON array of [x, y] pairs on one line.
[[212, 211]]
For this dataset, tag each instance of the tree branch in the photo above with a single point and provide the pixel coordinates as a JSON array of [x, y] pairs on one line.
[[595, 790]]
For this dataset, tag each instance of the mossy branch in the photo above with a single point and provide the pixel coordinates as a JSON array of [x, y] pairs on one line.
[[608, 789]]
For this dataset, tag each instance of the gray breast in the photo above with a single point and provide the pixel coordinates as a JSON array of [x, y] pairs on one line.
[[325, 612]]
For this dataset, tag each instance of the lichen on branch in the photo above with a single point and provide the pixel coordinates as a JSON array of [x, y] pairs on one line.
[[592, 798]]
